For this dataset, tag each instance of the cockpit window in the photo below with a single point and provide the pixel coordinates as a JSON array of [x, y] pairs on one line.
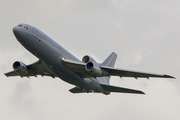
[[23, 26]]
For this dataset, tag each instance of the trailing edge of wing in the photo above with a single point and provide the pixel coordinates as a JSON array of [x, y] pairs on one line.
[[110, 88]]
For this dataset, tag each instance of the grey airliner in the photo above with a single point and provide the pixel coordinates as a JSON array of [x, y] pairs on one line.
[[87, 75]]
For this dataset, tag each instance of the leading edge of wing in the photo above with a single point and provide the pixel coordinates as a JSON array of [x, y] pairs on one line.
[[110, 88], [135, 74]]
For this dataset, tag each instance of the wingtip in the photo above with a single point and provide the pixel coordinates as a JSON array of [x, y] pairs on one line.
[[141, 92], [5, 74], [168, 76]]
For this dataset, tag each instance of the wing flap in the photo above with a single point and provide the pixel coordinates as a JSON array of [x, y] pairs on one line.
[[109, 88]]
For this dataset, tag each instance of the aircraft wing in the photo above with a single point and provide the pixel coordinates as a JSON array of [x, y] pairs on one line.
[[37, 68], [127, 73], [79, 68]]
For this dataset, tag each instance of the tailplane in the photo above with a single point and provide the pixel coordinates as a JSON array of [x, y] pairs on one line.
[[110, 88]]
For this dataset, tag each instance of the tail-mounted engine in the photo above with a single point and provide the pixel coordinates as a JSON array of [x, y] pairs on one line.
[[92, 66], [20, 68]]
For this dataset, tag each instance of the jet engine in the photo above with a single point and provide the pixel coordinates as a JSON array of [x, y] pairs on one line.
[[92, 66], [20, 68]]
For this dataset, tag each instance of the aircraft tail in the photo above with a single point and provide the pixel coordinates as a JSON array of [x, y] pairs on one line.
[[109, 62]]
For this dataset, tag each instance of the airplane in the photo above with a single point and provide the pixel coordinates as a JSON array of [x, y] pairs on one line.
[[87, 75]]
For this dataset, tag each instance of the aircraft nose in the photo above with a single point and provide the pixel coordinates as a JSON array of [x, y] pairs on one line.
[[16, 31], [19, 33]]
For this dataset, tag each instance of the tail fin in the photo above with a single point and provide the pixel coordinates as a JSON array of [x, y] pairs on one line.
[[110, 62]]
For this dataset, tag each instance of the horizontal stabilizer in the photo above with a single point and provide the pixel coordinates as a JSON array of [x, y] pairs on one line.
[[76, 90], [109, 88]]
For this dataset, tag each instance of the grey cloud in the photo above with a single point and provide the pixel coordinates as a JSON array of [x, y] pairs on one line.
[[144, 34]]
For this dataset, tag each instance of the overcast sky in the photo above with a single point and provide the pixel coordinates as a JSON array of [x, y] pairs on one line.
[[144, 34]]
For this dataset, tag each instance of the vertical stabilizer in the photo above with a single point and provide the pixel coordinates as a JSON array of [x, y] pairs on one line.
[[110, 62]]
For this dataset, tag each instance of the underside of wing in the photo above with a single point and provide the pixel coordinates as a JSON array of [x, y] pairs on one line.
[[12, 73], [110, 88], [79, 68], [40, 68], [128, 73], [37, 68]]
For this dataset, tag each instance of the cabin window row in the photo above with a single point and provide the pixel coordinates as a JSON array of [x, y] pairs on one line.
[[23, 26]]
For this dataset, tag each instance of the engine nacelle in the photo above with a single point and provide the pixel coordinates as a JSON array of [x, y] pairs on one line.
[[20, 68], [92, 66], [87, 59]]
